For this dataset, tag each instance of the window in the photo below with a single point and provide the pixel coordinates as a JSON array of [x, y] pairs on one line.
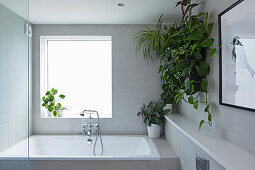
[[80, 67]]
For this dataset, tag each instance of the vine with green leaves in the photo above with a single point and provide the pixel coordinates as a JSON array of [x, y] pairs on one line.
[[182, 50]]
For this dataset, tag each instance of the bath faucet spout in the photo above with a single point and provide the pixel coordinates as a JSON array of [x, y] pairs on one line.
[[88, 127]]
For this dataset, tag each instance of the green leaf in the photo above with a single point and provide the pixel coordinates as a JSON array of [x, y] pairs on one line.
[[43, 104], [50, 108], [207, 108], [209, 117], [212, 52], [191, 100], [160, 68], [62, 96], [204, 84], [193, 27], [157, 114], [48, 92], [193, 61], [203, 69], [59, 104], [191, 6], [43, 98], [201, 123], [194, 35], [195, 104], [55, 113], [52, 90], [192, 89], [186, 71], [210, 27], [157, 121], [193, 47], [51, 98], [197, 55], [201, 14], [46, 101], [201, 29], [207, 42], [187, 83]]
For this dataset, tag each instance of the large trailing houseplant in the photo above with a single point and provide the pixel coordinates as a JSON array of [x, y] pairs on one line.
[[182, 48]]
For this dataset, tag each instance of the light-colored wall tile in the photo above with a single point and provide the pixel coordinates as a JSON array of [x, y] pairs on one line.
[[4, 136], [163, 164], [135, 81], [14, 165]]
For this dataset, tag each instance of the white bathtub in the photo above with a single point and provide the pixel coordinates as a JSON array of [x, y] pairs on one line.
[[76, 148]]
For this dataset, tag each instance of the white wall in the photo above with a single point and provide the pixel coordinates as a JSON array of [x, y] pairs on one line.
[[235, 125], [135, 81]]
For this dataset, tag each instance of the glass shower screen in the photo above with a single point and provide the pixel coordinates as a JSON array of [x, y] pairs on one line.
[[14, 84]]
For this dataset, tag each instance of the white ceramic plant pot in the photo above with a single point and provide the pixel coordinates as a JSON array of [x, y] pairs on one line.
[[60, 113], [50, 114], [154, 131], [170, 107]]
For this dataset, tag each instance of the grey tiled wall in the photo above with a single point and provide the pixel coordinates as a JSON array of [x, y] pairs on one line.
[[135, 81]]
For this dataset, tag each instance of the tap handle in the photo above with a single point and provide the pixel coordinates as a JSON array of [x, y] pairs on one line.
[[83, 129]]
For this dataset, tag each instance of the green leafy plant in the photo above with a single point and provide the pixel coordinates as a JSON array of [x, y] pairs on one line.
[[183, 67], [167, 95], [153, 113], [51, 103], [150, 41]]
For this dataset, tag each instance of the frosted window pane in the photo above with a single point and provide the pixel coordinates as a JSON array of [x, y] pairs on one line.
[[82, 70]]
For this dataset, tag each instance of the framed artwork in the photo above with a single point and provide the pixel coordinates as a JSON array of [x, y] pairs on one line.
[[237, 55]]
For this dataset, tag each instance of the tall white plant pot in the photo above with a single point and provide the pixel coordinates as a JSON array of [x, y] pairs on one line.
[[154, 131], [170, 107]]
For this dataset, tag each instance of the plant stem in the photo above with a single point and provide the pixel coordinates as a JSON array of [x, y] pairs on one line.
[[185, 100], [197, 95], [206, 97]]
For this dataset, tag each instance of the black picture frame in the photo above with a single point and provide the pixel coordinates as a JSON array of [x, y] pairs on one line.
[[221, 58]]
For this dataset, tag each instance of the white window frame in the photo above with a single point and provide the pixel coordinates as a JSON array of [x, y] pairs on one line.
[[44, 69]]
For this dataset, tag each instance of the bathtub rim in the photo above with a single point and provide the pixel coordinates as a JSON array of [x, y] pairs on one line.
[[153, 156]]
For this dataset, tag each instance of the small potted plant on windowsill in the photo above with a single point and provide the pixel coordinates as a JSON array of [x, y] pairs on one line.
[[50, 103], [153, 117]]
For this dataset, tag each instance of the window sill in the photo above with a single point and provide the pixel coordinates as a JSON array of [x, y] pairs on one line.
[[74, 116]]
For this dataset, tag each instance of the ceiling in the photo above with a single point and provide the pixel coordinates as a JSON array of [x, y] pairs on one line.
[[101, 11], [20, 7]]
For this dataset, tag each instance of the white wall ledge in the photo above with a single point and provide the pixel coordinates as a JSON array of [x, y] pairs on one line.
[[228, 155]]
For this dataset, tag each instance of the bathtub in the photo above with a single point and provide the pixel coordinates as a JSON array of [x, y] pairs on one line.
[[119, 147]]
